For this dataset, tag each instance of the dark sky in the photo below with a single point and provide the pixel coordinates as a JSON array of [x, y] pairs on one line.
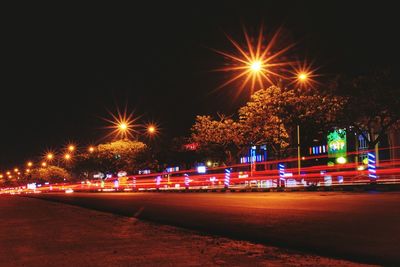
[[64, 66]]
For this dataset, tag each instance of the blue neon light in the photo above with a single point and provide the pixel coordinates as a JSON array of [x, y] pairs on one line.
[[281, 168], [371, 166], [186, 180], [227, 177]]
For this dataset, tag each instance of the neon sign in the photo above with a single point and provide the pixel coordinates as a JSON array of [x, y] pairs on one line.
[[337, 144]]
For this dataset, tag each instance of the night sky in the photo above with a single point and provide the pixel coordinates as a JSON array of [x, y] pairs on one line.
[[65, 66]]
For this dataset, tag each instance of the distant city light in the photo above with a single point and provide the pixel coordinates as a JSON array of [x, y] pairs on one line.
[[201, 169]]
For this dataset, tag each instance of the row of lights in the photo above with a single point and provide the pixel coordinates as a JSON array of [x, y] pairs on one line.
[[123, 126]]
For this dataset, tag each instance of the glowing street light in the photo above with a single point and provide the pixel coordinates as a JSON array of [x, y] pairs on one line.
[[256, 66], [16, 170], [257, 63], [302, 77], [151, 129], [8, 173], [123, 126], [91, 149], [29, 164], [44, 164], [71, 148], [67, 156], [50, 156]]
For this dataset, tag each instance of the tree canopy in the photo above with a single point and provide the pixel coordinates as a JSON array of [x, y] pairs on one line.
[[270, 117], [52, 174], [121, 155]]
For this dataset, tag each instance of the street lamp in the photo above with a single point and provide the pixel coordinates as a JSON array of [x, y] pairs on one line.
[[302, 76], [67, 156], [50, 156], [152, 129], [91, 149], [302, 79], [123, 126], [29, 164], [256, 66], [44, 164], [71, 148]]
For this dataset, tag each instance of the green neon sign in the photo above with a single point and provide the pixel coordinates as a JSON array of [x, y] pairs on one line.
[[337, 143]]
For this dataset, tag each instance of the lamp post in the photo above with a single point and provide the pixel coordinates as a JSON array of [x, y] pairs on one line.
[[298, 150], [302, 80]]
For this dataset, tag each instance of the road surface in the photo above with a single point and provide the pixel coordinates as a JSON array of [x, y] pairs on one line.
[[363, 227], [41, 233]]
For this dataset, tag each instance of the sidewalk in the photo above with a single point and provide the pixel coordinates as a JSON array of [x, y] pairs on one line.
[[34, 232]]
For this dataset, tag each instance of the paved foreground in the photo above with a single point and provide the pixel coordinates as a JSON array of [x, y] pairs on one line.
[[363, 227], [39, 233]]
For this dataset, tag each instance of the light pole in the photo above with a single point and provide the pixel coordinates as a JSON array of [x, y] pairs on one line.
[[302, 80], [298, 151]]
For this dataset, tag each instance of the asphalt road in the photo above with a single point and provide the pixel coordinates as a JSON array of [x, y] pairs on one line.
[[363, 227]]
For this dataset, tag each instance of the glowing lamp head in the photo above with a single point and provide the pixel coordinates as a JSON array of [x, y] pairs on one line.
[[91, 149], [151, 129], [44, 164], [71, 148], [29, 164], [16, 170], [256, 66], [123, 126], [67, 156], [302, 76], [50, 156]]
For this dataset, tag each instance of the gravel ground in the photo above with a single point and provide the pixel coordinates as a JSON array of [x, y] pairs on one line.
[[34, 232]]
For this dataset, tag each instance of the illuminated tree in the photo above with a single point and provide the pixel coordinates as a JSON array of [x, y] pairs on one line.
[[259, 123], [52, 174], [123, 155], [218, 138], [313, 109], [271, 117]]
